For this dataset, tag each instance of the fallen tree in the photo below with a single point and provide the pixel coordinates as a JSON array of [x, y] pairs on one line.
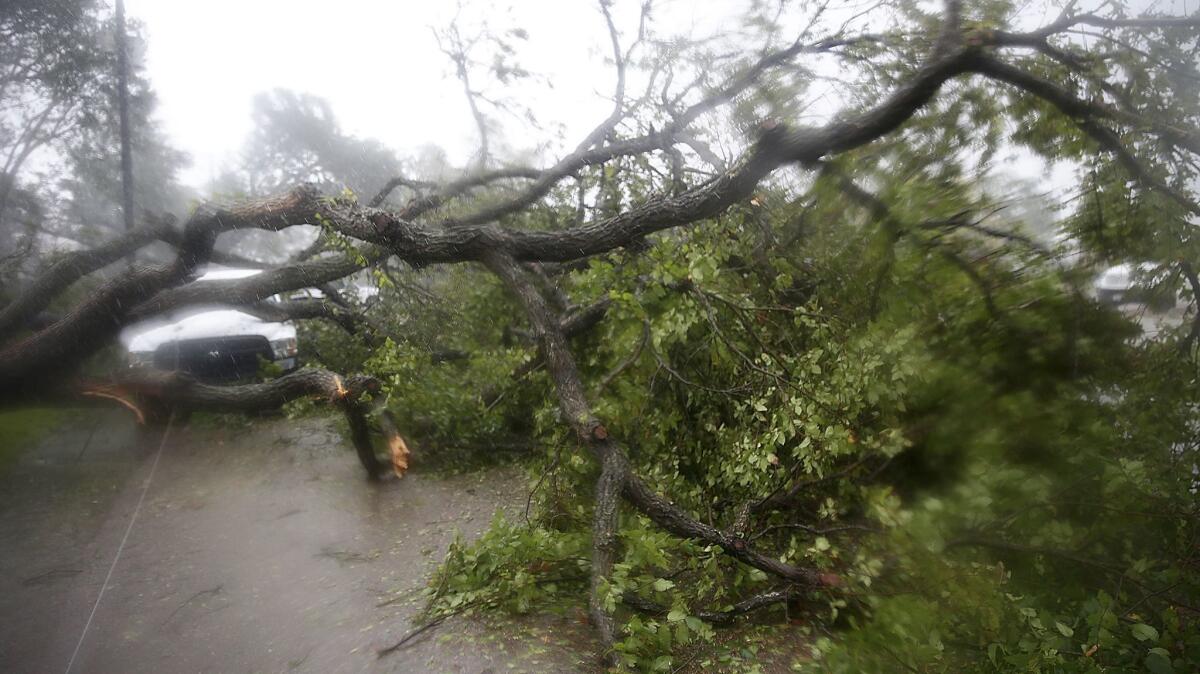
[[965, 59]]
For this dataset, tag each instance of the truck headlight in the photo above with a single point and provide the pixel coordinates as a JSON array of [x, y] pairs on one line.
[[284, 348]]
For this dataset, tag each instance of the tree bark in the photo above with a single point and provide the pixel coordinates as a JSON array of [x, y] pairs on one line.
[[156, 390], [605, 544]]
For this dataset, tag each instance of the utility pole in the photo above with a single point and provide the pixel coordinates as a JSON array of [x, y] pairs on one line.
[[123, 114]]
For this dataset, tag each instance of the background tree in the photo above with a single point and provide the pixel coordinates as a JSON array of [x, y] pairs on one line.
[[122, 44], [52, 57], [61, 133]]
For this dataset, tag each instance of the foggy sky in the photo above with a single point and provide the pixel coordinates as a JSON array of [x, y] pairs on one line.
[[376, 62], [379, 66]]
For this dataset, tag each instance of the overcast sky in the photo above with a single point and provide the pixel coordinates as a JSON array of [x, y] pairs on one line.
[[376, 62], [379, 66]]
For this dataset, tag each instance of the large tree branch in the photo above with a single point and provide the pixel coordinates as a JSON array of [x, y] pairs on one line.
[[474, 236], [1069, 103], [585, 155], [31, 362], [1085, 115], [294, 276], [180, 389], [777, 145], [170, 390], [296, 207], [1066, 22], [67, 269], [351, 321]]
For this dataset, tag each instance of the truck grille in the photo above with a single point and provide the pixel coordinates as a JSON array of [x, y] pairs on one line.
[[215, 358]]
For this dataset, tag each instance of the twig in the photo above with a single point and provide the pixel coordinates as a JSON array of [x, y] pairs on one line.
[[427, 626], [212, 591]]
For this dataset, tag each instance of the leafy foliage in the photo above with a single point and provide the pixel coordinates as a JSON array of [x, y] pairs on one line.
[[990, 479]]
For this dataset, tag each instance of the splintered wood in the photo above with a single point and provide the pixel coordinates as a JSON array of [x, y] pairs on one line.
[[399, 454]]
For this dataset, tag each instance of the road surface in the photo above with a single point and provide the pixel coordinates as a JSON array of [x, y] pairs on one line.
[[259, 547]]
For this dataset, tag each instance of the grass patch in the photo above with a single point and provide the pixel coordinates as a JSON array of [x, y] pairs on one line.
[[20, 429]]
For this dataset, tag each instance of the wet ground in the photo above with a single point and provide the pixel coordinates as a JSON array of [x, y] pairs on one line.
[[259, 547]]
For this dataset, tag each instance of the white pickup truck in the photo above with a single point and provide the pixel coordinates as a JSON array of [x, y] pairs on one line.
[[212, 344]]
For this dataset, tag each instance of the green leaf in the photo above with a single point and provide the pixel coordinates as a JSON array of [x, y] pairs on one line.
[[662, 585], [1159, 662], [682, 636], [676, 615], [1144, 632], [1063, 629]]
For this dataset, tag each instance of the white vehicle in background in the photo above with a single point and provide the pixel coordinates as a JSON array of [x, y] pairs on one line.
[[213, 344], [1124, 283], [1114, 284]]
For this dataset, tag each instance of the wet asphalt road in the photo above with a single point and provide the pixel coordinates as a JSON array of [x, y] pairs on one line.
[[259, 548]]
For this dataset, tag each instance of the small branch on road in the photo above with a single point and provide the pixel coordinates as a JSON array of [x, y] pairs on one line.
[[202, 593]]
